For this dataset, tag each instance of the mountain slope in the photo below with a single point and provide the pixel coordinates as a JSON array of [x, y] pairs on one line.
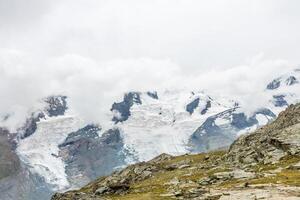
[[68, 152], [262, 165]]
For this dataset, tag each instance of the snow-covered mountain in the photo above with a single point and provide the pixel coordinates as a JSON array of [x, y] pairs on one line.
[[58, 151]]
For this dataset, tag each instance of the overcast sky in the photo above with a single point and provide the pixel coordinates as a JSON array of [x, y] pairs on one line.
[[93, 50]]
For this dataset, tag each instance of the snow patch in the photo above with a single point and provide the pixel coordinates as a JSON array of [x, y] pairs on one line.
[[163, 125]]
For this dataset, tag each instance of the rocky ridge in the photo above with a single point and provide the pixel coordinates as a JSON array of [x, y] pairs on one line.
[[262, 165]]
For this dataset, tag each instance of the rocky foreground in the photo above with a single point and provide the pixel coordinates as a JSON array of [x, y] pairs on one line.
[[261, 165]]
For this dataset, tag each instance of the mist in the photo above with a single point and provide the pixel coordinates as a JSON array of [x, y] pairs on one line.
[[95, 51]]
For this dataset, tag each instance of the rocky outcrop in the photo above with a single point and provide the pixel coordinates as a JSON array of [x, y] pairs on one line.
[[279, 101], [30, 125], [122, 109], [119, 182], [88, 155], [9, 161], [213, 134], [284, 80], [152, 94], [205, 109], [192, 105], [274, 84], [291, 80], [56, 105], [272, 142]]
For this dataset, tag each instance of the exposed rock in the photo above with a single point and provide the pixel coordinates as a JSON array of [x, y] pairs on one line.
[[101, 190], [271, 142], [295, 166], [56, 105], [279, 101], [288, 81], [91, 156], [16, 181], [161, 157], [291, 80], [205, 109], [183, 166], [152, 94], [30, 125], [9, 161], [192, 105], [211, 135], [274, 84], [241, 174], [123, 108]]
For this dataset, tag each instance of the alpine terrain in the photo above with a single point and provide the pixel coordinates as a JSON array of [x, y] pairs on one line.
[[55, 150], [262, 165]]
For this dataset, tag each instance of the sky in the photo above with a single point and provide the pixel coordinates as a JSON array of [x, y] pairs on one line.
[[95, 50]]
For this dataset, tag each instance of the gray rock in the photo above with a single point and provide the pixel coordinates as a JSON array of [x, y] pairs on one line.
[[152, 94], [270, 143], [211, 136], [184, 166], [57, 105], [123, 108], [101, 190], [295, 166], [91, 156], [279, 101], [274, 84], [192, 105]]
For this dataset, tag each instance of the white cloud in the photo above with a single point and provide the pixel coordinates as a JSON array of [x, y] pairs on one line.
[[93, 51]]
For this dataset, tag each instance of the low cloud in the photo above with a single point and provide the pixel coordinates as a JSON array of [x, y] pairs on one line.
[[95, 51], [93, 86]]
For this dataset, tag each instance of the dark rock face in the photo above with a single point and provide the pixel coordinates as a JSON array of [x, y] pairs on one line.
[[266, 112], [92, 156], [195, 103], [241, 121], [274, 84], [23, 185], [291, 80], [270, 143], [207, 106], [152, 95], [212, 136], [192, 106], [123, 108], [30, 125], [89, 131], [16, 182], [279, 101], [9, 161], [57, 105]]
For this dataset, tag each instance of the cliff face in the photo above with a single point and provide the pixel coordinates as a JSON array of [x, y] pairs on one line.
[[261, 165]]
